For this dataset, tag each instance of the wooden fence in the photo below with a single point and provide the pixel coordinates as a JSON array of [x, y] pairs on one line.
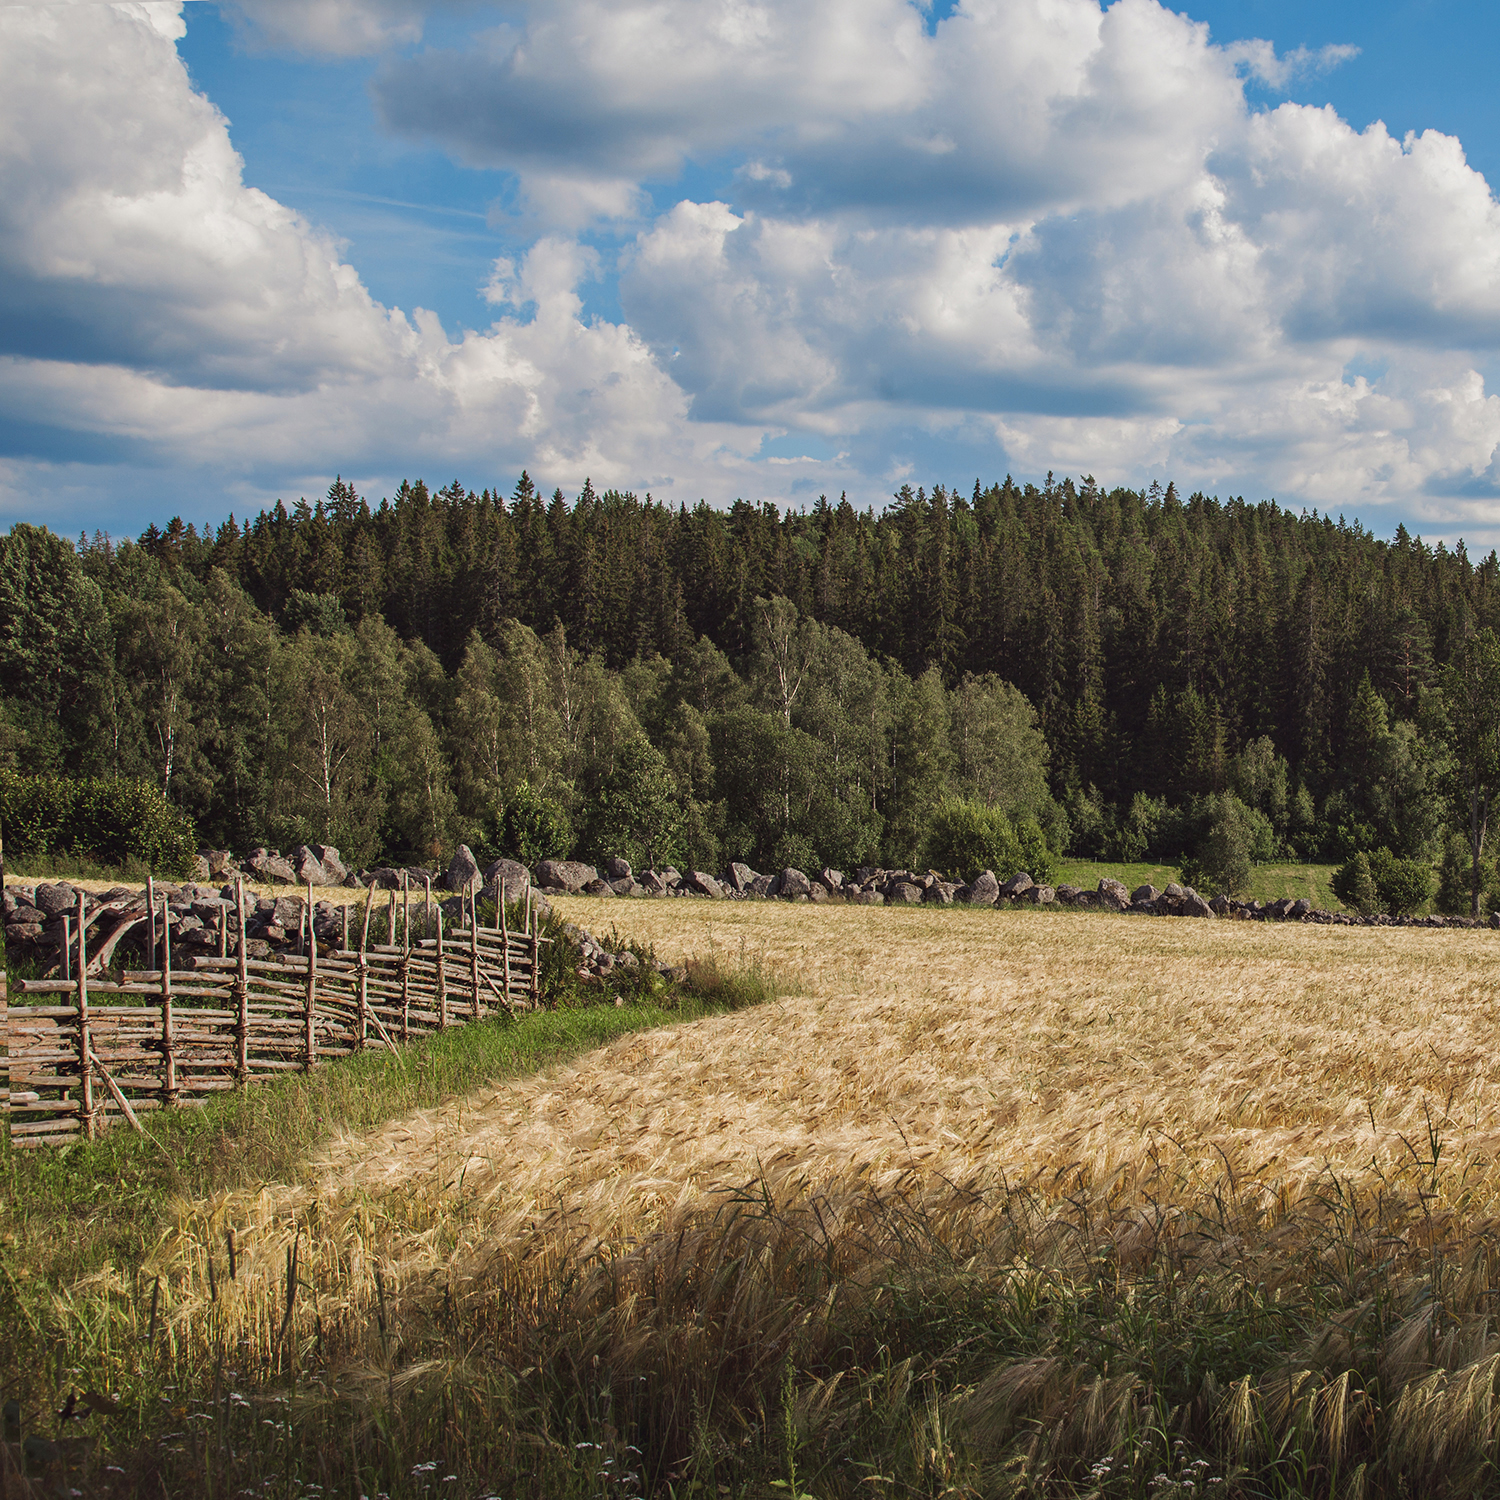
[[91, 1052]]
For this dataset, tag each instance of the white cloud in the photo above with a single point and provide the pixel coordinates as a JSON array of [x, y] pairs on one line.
[[339, 28], [1044, 226]]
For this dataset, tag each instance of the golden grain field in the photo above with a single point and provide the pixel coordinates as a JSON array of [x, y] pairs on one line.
[[1149, 1056]]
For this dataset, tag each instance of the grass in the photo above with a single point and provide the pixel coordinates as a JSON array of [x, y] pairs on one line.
[[1269, 882], [988, 1204]]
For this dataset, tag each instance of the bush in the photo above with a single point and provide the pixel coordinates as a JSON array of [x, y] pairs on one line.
[[1236, 836], [1379, 881], [115, 822], [967, 836], [1402, 885], [534, 827], [1354, 885]]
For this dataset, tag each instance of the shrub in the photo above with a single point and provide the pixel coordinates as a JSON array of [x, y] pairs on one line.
[[1354, 885], [534, 827], [1402, 885], [1236, 835], [112, 821], [967, 836]]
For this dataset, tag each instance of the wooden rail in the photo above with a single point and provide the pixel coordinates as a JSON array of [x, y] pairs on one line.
[[85, 1053]]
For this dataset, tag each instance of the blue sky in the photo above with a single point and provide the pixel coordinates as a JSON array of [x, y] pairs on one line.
[[722, 248]]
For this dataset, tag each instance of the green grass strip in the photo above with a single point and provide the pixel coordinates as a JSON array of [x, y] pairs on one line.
[[70, 1211]]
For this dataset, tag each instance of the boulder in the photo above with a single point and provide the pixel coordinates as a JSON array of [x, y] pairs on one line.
[[1299, 908], [985, 891], [1016, 885], [55, 900], [220, 862], [1041, 895], [1220, 906], [1113, 894], [272, 867], [1068, 895], [867, 898], [740, 876], [653, 884], [511, 874], [287, 912], [939, 893], [462, 873], [201, 868], [597, 887], [792, 883], [567, 874], [705, 885], [1175, 891], [332, 863], [672, 875], [616, 868], [384, 879], [833, 879], [903, 893], [1143, 894], [1280, 908], [760, 886], [307, 866], [818, 893], [1195, 906], [1088, 900]]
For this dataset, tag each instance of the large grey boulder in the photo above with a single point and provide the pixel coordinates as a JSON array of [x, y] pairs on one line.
[[308, 866], [867, 898], [1143, 894], [903, 893], [738, 875], [705, 885], [939, 893], [55, 900], [462, 873], [1195, 906], [267, 866], [1067, 895], [332, 862], [512, 875], [1174, 892], [653, 883], [1299, 908], [1018, 883], [760, 886], [1040, 895], [791, 883], [833, 879], [616, 868], [1113, 894], [985, 891], [570, 875]]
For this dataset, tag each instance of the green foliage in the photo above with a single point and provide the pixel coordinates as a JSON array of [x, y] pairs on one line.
[[1354, 885], [534, 827], [1454, 895], [1235, 837], [967, 836], [637, 811], [114, 821], [1401, 885]]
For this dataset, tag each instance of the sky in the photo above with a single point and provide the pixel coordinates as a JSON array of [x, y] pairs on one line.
[[767, 249]]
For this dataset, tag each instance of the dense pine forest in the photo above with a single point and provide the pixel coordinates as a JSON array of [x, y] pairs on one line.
[[807, 686]]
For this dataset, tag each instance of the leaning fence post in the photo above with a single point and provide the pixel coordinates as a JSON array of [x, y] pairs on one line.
[[534, 931], [85, 1044], [504, 936], [242, 993], [168, 1040]]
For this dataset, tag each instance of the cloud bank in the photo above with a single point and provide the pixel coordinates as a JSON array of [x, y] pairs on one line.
[[1055, 229]]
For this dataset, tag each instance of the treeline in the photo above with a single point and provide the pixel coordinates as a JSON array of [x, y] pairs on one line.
[[807, 683]]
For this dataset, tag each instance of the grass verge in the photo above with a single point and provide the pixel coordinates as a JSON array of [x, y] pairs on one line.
[[1268, 882]]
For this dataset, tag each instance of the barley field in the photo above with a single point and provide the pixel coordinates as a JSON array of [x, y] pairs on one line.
[[983, 1203]]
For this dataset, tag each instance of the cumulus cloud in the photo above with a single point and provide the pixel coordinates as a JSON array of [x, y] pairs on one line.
[[1043, 226]]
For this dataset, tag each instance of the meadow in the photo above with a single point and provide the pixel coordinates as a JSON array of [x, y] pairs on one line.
[[985, 1204]]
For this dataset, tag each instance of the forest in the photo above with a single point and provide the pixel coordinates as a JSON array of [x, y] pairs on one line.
[[1117, 673]]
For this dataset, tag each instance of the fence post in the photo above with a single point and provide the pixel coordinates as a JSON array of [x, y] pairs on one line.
[[534, 931], [504, 937], [473, 954], [442, 976], [168, 1040], [85, 1043], [310, 1036], [151, 911], [405, 957], [242, 993], [364, 968]]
